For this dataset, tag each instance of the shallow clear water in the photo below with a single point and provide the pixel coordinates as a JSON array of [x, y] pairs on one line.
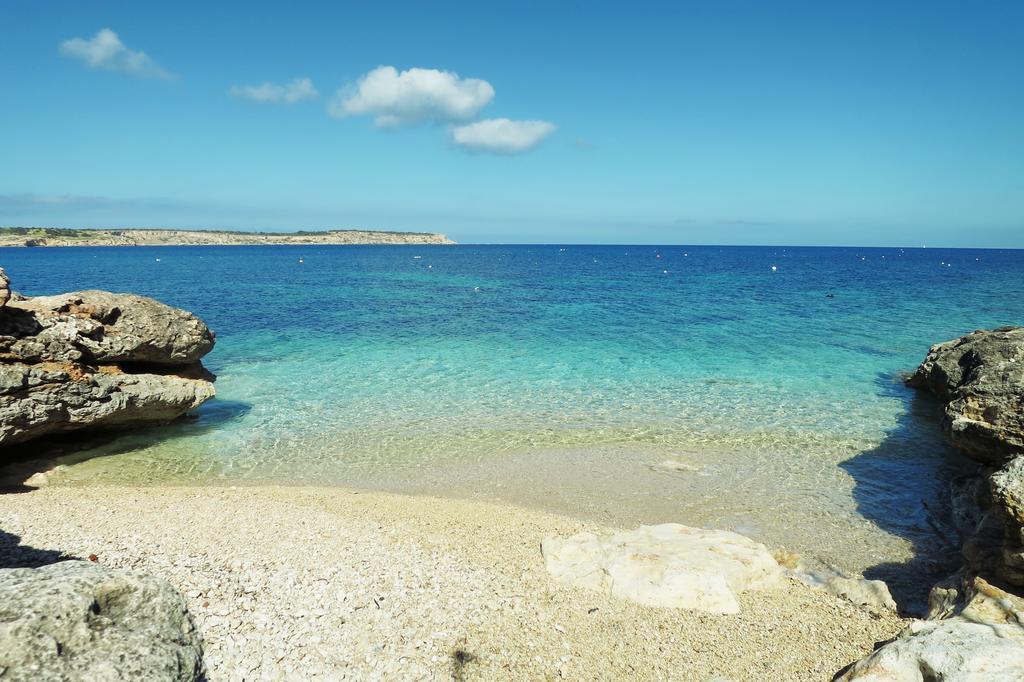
[[564, 377]]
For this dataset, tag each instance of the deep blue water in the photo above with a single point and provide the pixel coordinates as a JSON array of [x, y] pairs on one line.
[[366, 364]]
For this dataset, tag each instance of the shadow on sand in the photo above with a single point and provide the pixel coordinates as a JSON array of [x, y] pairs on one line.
[[13, 554], [22, 461], [903, 487]]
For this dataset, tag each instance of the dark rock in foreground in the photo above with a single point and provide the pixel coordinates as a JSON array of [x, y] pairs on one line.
[[93, 359], [79, 621]]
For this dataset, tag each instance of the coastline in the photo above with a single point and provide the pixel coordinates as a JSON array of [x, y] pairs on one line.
[[64, 237], [331, 580]]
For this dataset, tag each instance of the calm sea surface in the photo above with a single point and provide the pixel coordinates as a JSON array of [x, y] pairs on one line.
[[713, 386]]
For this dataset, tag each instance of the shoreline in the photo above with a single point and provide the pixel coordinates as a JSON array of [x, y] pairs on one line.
[[620, 487], [64, 237], [418, 587]]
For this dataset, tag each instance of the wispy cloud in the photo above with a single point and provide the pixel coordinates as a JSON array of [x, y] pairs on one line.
[[295, 91], [416, 95], [501, 135], [106, 51]]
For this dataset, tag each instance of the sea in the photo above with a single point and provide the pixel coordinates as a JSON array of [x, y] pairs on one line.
[[756, 389]]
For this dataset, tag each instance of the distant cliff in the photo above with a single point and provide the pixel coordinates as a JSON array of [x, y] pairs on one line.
[[55, 236]]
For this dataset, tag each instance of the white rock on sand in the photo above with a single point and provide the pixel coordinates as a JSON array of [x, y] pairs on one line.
[[665, 565], [952, 650], [856, 590]]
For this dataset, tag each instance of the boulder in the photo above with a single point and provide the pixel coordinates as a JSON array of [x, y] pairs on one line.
[[99, 327], [973, 598], [954, 650], [5, 288], [52, 398], [667, 565], [76, 620], [96, 360], [854, 589], [980, 378]]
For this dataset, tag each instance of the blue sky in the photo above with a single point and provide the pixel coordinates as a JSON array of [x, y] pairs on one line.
[[872, 123]]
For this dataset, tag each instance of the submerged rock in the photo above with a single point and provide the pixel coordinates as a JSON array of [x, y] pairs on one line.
[[93, 359], [665, 565], [79, 621]]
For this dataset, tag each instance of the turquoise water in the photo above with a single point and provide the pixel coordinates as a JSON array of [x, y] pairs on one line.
[[566, 377]]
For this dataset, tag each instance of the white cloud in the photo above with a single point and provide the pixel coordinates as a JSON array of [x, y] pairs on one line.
[[295, 91], [106, 51], [501, 136], [412, 96]]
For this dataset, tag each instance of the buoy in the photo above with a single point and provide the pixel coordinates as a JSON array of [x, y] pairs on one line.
[[774, 268], [301, 261]]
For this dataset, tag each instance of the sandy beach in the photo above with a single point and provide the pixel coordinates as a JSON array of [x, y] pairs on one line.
[[343, 584]]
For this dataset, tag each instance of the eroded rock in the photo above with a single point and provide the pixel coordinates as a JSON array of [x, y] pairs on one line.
[[665, 565], [99, 327], [5, 288], [50, 398], [954, 650], [96, 360], [854, 589], [980, 378], [76, 620]]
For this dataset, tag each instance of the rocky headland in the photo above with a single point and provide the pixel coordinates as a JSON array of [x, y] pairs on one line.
[[57, 236], [974, 628], [96, 360], [979, 378]]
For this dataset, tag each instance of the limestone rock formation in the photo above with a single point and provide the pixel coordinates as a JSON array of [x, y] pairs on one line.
[[954, 649], [975, 599], [101, 328], [93, 359], [665, 565], [76, 620], [980, 378], [975, 631], [856, 590], [5, 288]]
